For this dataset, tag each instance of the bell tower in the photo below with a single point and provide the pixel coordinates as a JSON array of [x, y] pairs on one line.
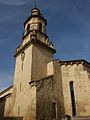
[[42, 49], [35, 22], [35, 26], [32, 57]]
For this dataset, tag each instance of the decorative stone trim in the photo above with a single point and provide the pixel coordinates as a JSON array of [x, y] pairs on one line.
[[6, 90], [34, 42], [35, 81], [81, 61], [6, 96]]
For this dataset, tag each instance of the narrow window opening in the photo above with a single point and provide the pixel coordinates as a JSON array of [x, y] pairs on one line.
[[54, 110], [72, 98], [28, 28], [22, 58], [40, 27]]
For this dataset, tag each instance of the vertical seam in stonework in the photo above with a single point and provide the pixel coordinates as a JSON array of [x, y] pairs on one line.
[[62, 88]]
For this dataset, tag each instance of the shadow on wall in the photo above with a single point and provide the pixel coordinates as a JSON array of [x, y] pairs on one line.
[[2, 107], [12, 118]]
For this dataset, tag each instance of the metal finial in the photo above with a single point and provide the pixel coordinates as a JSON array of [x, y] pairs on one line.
[[35, 3]]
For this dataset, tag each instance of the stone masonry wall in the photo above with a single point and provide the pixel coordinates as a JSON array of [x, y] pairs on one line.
[[24, 96], [5, 102], [44, 99], [49, 90], [58, 89], [2, 107], [41, 56], [80, 75], [8, 105]]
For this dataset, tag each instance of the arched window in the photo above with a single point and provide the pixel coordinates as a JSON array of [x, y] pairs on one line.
[[40, 27], [54, 110], [72, 98], [28, 28]]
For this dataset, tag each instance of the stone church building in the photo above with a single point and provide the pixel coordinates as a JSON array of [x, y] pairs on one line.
[[45, 88]]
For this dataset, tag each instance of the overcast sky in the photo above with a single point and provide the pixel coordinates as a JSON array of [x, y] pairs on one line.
[[68, 28]]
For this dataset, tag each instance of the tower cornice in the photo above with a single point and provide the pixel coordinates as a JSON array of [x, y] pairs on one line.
[[33, 41], [32, 31]]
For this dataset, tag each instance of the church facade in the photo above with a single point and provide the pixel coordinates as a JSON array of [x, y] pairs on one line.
[[45, 88]]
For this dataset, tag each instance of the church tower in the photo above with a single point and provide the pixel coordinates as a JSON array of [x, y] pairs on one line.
[[32, 57], [36, 39]]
